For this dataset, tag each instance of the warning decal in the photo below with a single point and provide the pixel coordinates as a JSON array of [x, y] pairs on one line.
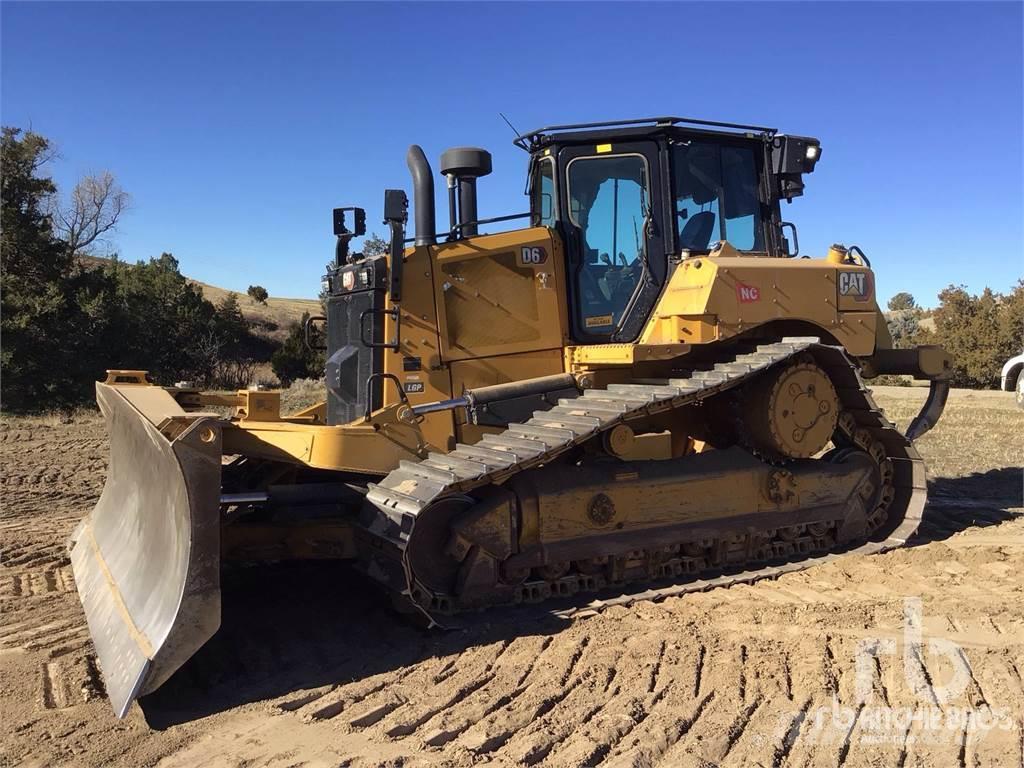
[[597, 321]]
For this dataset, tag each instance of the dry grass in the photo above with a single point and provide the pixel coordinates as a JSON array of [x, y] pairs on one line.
[[975, 422], [302, 394], [278, 312], [80, 415]]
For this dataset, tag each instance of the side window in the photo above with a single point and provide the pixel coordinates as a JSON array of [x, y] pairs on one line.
[[609, 200], [543, 208], [716, 196], [742, 207], [698, 186]]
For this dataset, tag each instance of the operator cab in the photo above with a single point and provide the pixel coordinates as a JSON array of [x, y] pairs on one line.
[[631, 199]]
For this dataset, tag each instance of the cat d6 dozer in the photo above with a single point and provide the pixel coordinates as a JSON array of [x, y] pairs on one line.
[[643, 392]]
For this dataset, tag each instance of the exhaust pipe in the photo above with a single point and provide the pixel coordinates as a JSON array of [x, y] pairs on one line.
[[423, 195]]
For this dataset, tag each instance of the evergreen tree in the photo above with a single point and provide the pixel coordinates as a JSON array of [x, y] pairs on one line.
[[37, 316], [902, 300], [294, 360]]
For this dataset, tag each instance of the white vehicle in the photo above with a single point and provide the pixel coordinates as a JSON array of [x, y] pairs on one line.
[[1013, 378]]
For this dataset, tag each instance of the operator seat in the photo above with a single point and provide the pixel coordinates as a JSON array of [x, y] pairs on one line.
[[696, 235]]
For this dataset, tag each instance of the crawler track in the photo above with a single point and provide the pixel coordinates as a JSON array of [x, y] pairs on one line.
[[407, 496]]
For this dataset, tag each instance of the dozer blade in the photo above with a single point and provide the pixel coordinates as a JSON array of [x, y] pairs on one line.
[[147, 560]]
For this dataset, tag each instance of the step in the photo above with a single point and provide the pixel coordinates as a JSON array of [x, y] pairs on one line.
[[493, 458], [428, 472], [463, 468], [552, 436], [525, 449], [557, 418]]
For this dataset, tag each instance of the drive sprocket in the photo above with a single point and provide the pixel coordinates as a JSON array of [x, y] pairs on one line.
[[790, 413]]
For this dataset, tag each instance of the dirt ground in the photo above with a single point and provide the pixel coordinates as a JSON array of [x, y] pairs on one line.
[[910, 658]]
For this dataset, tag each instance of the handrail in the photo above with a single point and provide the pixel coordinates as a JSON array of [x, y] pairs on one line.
[[451, 234]]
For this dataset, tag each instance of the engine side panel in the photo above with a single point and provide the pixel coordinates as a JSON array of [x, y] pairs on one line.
[[719, 297], [500, 294]]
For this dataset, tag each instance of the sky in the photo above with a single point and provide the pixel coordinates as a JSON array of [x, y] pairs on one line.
[[237, 127]]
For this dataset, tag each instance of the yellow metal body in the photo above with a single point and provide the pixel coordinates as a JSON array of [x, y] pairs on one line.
[[718, 297], [494, 308]]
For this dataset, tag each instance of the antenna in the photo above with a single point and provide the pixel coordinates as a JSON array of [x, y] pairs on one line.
[[509, 124], [518, 141]]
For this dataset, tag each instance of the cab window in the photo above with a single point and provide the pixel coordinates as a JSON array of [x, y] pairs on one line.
[[609, 201], [716, 196], [543, 207]]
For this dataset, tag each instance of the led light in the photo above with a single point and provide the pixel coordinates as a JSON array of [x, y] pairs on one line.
[[348, 280], [811, 152]]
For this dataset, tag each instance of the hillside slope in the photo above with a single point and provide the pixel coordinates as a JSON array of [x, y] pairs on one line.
[[277, 311], [276, 314]]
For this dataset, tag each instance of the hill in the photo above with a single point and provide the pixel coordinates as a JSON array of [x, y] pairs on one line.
[[272, 319]]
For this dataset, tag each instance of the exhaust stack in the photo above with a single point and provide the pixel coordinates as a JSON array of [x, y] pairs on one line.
[[423, 195], [463, 166]]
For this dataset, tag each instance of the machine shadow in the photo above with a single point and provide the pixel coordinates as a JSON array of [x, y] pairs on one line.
[[977, 500], [295, 626], [291, 627]]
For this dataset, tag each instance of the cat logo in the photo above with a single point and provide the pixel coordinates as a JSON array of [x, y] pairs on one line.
[[855, 284]]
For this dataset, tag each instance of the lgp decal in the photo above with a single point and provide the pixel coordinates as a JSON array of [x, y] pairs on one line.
[[856, 285], [412, 387], [532, 255], [747, 293]]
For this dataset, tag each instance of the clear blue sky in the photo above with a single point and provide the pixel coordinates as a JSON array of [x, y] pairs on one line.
[[238, 127]]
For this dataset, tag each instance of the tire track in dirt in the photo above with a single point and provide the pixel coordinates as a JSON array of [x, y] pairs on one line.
[[615, 691], [309, 669], [506, 684]]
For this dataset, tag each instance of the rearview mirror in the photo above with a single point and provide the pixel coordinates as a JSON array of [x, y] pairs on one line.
[[358, 226]]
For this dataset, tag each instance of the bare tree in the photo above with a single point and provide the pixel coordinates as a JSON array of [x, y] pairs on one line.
[[208, 349], [236, 373], [94, 209]]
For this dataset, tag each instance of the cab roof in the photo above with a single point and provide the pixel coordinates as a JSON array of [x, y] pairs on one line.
[[636, 128]]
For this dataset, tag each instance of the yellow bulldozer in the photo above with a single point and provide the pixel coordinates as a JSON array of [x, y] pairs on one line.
[[645, 391]]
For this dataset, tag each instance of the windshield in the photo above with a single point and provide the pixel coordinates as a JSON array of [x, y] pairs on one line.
[[716, 196], [609, 200]]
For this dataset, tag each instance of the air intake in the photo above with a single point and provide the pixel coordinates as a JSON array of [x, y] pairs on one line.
[[463, 166]]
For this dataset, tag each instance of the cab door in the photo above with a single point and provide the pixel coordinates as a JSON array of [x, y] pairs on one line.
[[612, 220]]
